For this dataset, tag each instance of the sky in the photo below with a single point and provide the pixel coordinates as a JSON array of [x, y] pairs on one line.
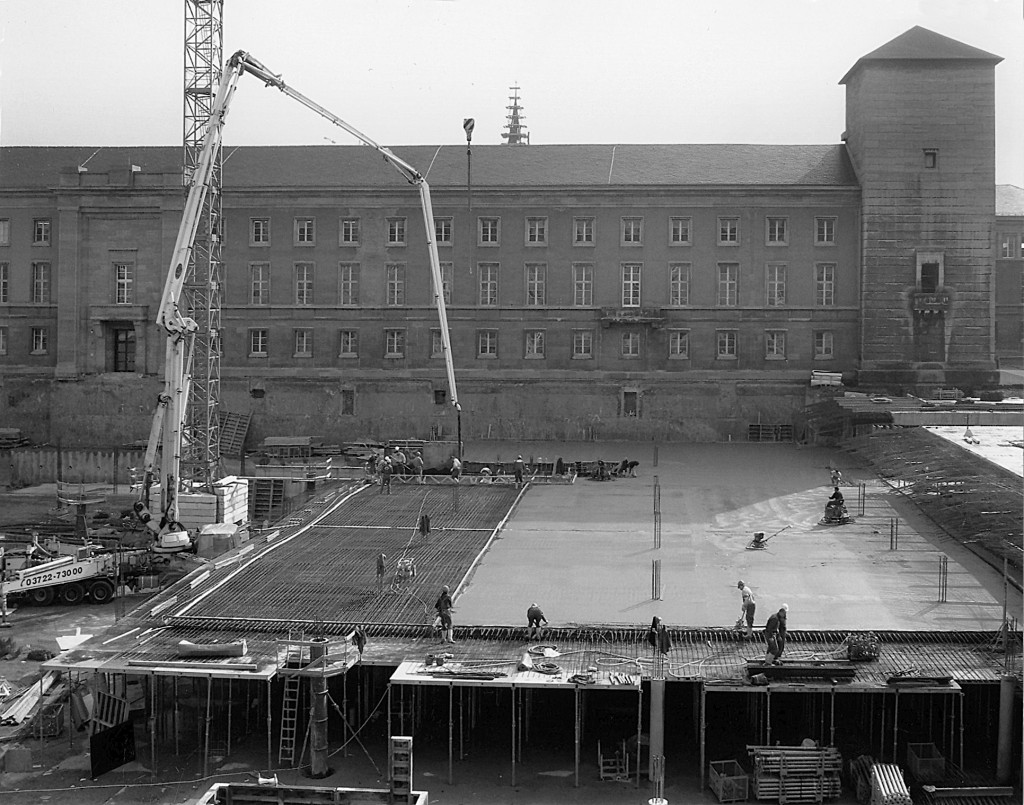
[[110, 72]]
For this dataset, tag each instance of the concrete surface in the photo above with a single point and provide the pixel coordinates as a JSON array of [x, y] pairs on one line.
[[584, 551]]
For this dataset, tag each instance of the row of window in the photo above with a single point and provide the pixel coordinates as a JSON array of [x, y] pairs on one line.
[[1011, 244], [39, 340], [536, 231], [536, 280], [535, 344], [41, 231]]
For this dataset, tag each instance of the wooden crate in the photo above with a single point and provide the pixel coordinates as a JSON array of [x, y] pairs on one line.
[[728, 780], [925, 762]]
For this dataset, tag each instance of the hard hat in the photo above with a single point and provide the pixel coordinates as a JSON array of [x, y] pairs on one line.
[[786, 607], [445, 588]]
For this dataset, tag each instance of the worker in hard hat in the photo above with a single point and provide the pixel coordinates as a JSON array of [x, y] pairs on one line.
[[443, 605], [518, 468], [775, 634], [534, 618], [747, 607]]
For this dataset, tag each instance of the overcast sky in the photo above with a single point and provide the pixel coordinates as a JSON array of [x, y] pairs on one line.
[[109, 72]]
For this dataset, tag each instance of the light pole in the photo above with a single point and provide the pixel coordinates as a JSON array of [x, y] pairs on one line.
[[468, 124]]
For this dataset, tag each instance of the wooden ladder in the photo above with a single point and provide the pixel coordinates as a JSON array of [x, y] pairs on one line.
[[290, 703]]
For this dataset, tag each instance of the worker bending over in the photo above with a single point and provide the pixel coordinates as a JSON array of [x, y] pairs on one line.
[[534, 618], [775, 634]]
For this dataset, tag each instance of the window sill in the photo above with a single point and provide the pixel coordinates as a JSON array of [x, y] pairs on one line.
[[730, 243], [258, 354], [533, 357], [306, 355], [681, 243], [39, 352], [824, 357], [775, 357], [679, 357], [487, 357], [582, 358], [348, 356], [825, 245], [395, 356], [726, 357], [259, 245]]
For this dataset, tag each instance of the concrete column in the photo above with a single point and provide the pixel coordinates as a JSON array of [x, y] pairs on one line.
[[657, 723], [318, 731], [1004, 744]]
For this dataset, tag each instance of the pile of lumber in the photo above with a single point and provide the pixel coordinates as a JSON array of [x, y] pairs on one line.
[[796, 773], [11, 437]]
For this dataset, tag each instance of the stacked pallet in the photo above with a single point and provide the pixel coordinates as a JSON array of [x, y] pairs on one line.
[[796, 773], [887, 785]]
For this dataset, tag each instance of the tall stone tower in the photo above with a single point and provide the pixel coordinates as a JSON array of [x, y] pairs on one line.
[[920, 131]]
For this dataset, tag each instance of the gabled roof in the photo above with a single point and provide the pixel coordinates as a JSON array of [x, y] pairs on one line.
[[495, 166], [1009, 200], [920, 44]]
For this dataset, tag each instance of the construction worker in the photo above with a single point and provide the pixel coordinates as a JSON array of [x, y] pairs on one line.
[[385, 475], [381, 570], [747, 608], [534, 618], [443, 605], [417, 466], [456, 468], [775, 634], [518, 468]]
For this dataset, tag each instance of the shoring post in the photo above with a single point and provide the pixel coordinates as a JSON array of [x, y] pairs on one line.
[[943, 577], [152, 725], [863, 494]]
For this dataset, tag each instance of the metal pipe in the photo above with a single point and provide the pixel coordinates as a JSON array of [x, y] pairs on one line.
[[206, 741], [832, 719], [228, 752], [319, 767], [895, 726], [451, 690], [152, 725], [576, 724], [512, 693], [703, 731]]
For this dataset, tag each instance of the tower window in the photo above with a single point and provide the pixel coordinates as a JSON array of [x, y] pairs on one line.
[[931, 157]]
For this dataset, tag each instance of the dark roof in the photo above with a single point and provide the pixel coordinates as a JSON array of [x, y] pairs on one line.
[[920, 44], [1009, 200], [254, 167]]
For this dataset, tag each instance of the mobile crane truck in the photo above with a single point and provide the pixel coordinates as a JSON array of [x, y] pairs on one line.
[[166, 433]]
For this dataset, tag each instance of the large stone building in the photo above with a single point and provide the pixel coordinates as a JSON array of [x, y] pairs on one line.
[[593, 291]]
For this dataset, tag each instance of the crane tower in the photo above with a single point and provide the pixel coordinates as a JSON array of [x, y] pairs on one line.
[[204, 64]]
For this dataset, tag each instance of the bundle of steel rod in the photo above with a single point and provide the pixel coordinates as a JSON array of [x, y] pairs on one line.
[[887, 785], [796, 773]]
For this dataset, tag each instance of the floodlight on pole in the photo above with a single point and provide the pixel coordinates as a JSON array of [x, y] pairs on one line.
[[468, 124]]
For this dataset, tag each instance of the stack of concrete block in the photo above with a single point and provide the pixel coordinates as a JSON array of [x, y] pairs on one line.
[[232, 499]]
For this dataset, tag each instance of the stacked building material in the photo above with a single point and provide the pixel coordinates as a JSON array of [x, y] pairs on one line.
[[796, 773], [11, 437], [887, 785], [232, 499]]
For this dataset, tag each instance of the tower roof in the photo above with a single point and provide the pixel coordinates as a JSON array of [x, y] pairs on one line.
[[920, 44]]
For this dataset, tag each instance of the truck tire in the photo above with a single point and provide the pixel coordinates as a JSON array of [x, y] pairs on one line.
[[72, 593], [41, 596], [102, 591]]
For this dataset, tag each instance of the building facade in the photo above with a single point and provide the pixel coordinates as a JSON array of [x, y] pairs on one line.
[[592, 291]]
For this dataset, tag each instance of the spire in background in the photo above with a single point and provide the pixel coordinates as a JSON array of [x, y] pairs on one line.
[[515, 133]]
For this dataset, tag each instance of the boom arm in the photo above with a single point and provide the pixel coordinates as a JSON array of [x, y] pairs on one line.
[[414, 177], [169, 420]]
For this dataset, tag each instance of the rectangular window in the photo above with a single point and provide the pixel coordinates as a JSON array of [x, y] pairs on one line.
[[488, 284], [443, 231], [728, 231], [396, 231], [3, 340], [728, 284], [447, 277], [349, 344], [394, 343], [1007, 245], [303, 283], [775, 345], [303, 343], [436, 344], [582, 284], [536, 231], [583, 231], [124, 348], [487, 343], [630, 344], [776, 231], [259, 231], [259, 341], [489, 231], [679, 283], [305, 231], [679, 344], [534, 344], [631, 284], [259, 279], [931, 158], [348, 233], [396, 284], [123, 283], [582, 344], [41, 232], [825, 284], [348, 274], [632, 231], [727, 344], [825, 231], [5, 280], [823, 350], [775, 284], [40, 283], [536, 282], [679, 231], [40, 340], [5, 231]]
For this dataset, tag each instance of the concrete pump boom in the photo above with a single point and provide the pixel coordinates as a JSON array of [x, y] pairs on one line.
[[169, 419]]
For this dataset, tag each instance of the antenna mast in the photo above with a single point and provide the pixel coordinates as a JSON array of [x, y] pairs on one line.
[[515, 131]]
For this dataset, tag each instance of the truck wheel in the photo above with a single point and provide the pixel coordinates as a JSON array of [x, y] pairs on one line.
[[101, 592], [73, 593], [41, 596]]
